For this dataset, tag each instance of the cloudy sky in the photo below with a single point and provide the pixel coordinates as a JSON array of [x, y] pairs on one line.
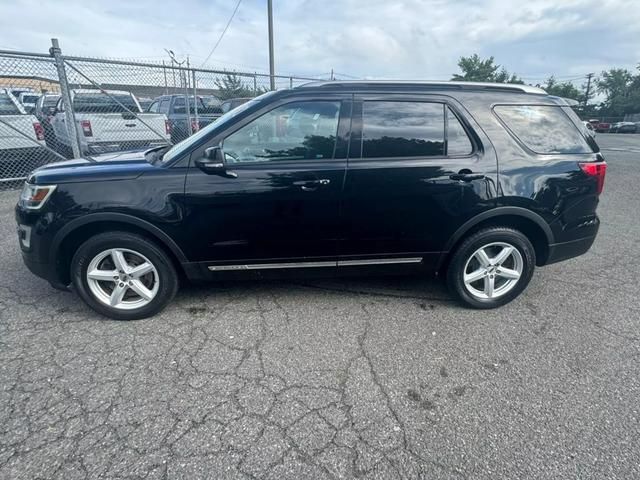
[[408, 39]]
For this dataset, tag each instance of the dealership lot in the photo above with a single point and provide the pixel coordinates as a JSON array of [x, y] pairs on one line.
[[374, 377]]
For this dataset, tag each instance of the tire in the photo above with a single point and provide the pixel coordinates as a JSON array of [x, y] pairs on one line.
[[135, 294], [468, 259]]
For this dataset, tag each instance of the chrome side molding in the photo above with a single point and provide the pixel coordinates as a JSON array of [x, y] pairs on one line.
[[340, 263]]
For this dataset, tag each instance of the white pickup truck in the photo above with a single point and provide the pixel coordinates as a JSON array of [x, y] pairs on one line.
[[21, 139], [104, 125]]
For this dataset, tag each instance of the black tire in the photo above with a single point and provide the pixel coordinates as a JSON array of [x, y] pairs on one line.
[[167, 276], [465, 251]]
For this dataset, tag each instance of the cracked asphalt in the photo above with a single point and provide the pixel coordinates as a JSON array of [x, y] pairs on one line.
[[362, 378]]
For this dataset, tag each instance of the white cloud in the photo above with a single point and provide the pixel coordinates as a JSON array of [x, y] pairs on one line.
[[375, 38]]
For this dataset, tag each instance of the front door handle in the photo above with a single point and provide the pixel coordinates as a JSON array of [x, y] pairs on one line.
[[311, 185], [466, 177]]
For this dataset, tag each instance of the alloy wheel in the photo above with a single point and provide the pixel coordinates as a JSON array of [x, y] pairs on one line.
[[122, 278], [493, 270]]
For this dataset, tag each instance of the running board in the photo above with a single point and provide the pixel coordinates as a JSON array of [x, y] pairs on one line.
[[340, 263]]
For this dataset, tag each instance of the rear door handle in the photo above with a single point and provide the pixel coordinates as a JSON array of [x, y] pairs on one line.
[[311, 185], [466, 177]]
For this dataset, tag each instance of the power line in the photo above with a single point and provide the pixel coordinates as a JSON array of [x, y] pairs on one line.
[[223, 32]]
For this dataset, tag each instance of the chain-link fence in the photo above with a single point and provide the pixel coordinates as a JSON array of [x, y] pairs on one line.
[[55, 107]]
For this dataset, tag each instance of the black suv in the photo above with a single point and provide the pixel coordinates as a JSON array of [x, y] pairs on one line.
[[481, 182]]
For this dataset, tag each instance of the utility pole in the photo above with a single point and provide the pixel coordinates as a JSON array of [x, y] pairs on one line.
[[271, 64], [586, 95]]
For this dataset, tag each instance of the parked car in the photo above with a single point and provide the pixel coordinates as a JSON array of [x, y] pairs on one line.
[[104, 125], [624, 127], [590, 130], [28, 101], [232, 103], [478, 182], [21, 138], [145, 103], [183, 123], [44, 111], [603, 127]]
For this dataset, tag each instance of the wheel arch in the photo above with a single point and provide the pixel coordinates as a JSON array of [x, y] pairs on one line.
[[77, 231], [527, 221]]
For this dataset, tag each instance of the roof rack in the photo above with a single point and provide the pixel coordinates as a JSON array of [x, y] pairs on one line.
[[419, 83]]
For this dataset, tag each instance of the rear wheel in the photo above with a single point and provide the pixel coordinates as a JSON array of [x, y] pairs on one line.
[[123, 276], [491, 267]]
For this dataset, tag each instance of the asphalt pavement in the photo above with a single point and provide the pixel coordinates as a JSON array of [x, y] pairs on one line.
[[362, 378]]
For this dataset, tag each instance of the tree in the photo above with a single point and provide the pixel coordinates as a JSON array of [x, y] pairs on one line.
[[563, 89], [232, 86], [621, 90], [476, 69]]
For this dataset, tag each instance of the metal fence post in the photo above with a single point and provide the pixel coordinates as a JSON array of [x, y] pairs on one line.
[[195, 97], [69, 116]]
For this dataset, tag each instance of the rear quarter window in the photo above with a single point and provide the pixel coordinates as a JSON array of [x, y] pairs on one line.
[[544, 129]]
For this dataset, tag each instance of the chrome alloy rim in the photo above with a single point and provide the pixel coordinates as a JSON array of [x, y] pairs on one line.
[[123, 279], [493, 270]]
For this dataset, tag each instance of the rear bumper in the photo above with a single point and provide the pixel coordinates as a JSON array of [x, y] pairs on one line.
[[563, 251]]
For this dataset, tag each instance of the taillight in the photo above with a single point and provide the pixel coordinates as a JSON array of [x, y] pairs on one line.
[[39, 130], [167, 127], [596, 169], [86, 128], [194, 126]]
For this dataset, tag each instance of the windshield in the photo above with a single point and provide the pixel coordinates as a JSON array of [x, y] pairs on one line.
[[30, 98], [7, 107], [184, 146], [179, 105], [103, 103], [50, 101]]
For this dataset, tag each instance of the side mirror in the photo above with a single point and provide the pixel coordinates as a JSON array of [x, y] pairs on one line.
[[213, 163]]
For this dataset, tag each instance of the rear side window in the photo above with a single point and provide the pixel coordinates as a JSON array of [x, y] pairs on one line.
[[458, 142], [402, 129], [412, 129], [7, 107], [543, 129]]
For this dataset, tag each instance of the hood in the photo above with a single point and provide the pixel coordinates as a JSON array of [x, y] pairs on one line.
[[110, 166]]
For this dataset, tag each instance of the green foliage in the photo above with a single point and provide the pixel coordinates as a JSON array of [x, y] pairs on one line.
[[621, 89], [232, 86], [563, 89], [476, 69]]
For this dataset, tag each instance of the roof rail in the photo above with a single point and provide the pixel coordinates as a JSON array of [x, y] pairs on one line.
[[514, 87]]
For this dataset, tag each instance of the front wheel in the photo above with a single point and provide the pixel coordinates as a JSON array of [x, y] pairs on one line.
[[123, 276], [491, 267]]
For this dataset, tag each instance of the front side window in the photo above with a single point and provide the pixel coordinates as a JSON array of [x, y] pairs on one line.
[[544, 129], [7, 107], [295, 131], [153, 108]]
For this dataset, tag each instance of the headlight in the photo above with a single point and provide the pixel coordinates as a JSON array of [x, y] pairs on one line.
[[33, 197]]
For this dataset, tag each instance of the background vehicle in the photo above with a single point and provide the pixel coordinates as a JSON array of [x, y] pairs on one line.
[[233, 103], [104, 125], [21, 138], [44, 111], [624, 127], [603, 127], [28, 101], [477, 182], [589, 128], [174, 107], [145, 103]]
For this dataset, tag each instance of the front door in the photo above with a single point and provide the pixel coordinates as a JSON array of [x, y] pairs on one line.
[[417, 170], [279, 201]]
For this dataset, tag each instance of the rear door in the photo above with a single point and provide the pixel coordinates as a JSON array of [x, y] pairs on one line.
[[418, 170]]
